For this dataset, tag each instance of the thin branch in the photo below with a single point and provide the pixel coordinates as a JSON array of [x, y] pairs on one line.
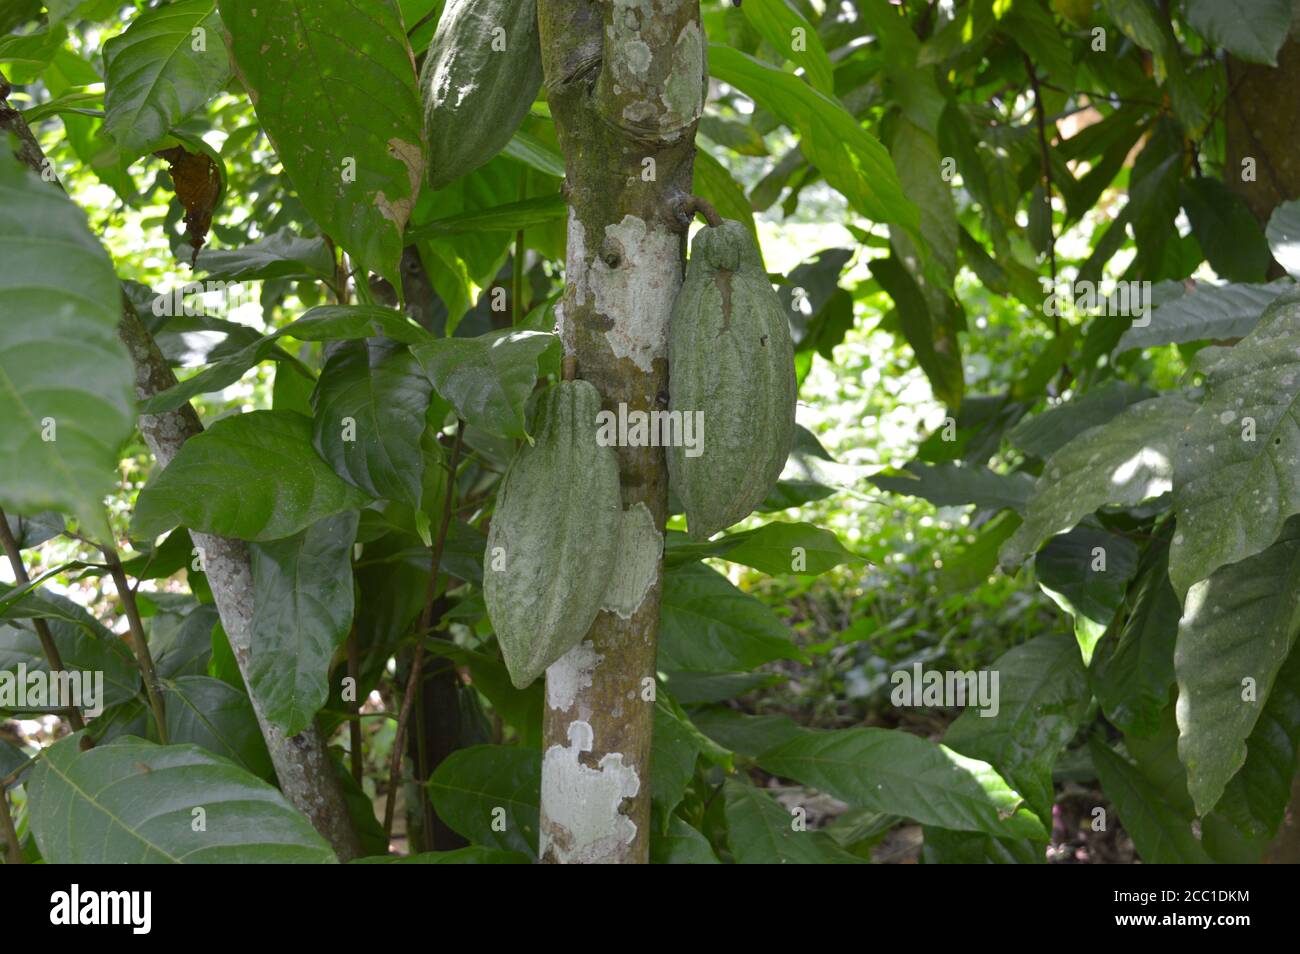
[[139, 644], [1041, 122], [13, 851], [48, 647], [417, 659], [354, 673]]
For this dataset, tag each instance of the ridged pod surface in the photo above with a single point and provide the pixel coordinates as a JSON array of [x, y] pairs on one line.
[[476, 93], [553, 540], [730, 356]]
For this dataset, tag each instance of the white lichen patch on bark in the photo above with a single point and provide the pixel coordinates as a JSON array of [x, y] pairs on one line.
[[581, 821], [636, 291], [684, 91], [640, 544], [570, 674]]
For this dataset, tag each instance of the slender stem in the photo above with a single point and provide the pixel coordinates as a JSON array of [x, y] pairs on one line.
[[139, 644], [1040, 120], [417, 659], [13, 851], [48, 647], [518, 276], [354, 673]]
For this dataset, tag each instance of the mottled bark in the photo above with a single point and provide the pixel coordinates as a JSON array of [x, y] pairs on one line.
[[625, 81], [302, 762], [1265, 126]]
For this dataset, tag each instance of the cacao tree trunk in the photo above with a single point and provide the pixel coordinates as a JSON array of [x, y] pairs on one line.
[[1263, 166], [625, 80], [302, 763]]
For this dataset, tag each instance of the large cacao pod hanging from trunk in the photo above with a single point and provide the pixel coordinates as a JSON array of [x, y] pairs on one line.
[[730, 357], [554, 537], [481, 75]]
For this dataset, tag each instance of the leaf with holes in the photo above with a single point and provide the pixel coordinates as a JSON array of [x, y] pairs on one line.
[[334, 86], [1237, 462]]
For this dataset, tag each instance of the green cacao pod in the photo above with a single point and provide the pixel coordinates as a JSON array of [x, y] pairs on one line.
[[481, 75], [554, 537], [731, 358]]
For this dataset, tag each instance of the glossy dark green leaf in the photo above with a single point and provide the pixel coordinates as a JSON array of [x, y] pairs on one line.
[[1159, 833], [370, 404], [302, 611], [951, 485], [1237, 630], [762, 832], [706, 623], [477, 790], [252, 476], [1252, 30], [1206, 313], [135, 802], [1042, 696], [281, 254], [680, 845], [489, 378], [164, 67], [782, 549], [82, 653], [219, 718], [1086, 573], [1230, 237], [903, 774], [851, 160]]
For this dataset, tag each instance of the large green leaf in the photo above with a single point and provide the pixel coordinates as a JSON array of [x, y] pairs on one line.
[[1255, 799], [490, 794], [252, 476], [1207, 313], [281, 254], [489, 378], [1230, 237], [784, 548], [1042, 697], [135, 802], [951, 485], [1235, 476], [680, 845], [215, 716], [762, 832], [1251, 30], [334, 86], [81, 652], [1238, 625], [1159, 833], [1133, 673], [65, 378], [1086, 573], [903, 774], [708, 624], [1125, 461], [935, 347], [1047, 432], [370, 404], [841, 149], [302, 610], [167, 64], [794, 38]]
